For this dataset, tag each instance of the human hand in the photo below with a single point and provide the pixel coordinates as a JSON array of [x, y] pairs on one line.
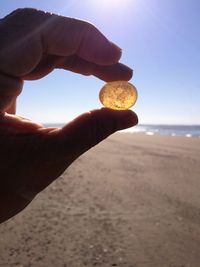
[[33, 43]]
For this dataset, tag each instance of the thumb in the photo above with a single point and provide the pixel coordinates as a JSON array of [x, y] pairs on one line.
[[91, 128]]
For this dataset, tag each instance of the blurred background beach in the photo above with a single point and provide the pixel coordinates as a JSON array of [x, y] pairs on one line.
[[133, 200]]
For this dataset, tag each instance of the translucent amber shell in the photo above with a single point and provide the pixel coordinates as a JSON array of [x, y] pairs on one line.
[[118, 95]]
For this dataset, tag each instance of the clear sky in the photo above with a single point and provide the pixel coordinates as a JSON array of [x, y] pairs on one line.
[[160, 40]]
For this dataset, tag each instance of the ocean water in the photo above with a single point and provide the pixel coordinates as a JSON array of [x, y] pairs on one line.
[[172, 130]]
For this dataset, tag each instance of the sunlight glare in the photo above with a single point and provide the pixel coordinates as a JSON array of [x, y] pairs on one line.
[[110, 5]]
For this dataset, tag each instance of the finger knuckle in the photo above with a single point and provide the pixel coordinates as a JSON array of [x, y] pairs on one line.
[[19, 12], [88, 28], [24, 11], [10, 86]]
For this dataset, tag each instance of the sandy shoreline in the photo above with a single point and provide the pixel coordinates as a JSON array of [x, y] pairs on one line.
[[132, 201]]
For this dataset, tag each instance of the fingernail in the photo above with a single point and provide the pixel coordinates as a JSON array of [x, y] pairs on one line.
[[129, 73], [118, 49]]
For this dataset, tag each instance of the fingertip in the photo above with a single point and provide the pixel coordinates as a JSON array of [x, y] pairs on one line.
[[123, 118], [113, 72], [96, 48], [116, 52], [130, 119], [129, 73]]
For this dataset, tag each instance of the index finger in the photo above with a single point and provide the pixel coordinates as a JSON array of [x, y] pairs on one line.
[[59, 35], [65, 36]]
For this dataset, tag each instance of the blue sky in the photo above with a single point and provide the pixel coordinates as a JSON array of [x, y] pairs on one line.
[[160, 40]]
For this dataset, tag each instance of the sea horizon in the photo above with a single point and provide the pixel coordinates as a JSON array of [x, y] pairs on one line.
[[155, 129]]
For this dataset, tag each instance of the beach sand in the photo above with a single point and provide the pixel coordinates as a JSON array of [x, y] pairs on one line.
[[132, 201]]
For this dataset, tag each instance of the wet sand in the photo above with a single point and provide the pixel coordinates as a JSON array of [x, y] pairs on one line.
[[132, 201]]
